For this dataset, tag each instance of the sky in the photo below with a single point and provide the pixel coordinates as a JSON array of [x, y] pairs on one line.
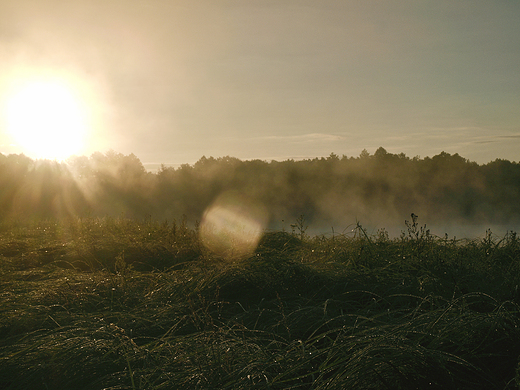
[[171, 81]]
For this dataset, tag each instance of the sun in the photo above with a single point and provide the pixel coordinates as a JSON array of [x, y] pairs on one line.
[[46, 118]]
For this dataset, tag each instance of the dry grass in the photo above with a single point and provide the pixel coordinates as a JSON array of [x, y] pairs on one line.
[[121, 304]]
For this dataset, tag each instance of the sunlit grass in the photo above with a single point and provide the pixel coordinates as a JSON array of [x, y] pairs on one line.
[[122, 304]]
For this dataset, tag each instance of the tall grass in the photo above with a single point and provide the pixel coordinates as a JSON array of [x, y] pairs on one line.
[[124, 304]]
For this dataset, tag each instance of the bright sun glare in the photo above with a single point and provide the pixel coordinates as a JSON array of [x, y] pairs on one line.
[[46, 118]]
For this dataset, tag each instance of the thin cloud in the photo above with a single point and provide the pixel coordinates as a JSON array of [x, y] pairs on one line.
[[312, 137], [509, 136], [496, 138]]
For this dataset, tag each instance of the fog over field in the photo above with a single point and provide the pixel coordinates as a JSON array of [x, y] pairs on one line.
[[448, 193]]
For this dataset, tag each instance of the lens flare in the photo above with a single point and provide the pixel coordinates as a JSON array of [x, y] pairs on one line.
[[233, 225]]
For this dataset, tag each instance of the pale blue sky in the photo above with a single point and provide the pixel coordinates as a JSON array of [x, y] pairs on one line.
[[174, 80]]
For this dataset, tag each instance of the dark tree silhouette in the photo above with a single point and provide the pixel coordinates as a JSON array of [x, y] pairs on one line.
[[381, 188]]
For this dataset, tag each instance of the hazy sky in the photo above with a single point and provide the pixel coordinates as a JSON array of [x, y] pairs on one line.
[[171, 81]]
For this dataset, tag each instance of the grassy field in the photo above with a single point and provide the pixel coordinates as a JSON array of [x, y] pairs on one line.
[[122, 304]]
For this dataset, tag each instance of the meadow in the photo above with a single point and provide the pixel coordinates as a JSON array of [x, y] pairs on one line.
[[117, 303]]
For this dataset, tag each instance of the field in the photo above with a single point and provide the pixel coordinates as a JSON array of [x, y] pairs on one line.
[[113, 303]]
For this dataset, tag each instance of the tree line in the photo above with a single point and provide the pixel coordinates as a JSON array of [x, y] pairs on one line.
[[329, 191]]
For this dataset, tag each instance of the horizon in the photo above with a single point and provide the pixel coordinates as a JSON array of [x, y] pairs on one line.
[[154, 166]]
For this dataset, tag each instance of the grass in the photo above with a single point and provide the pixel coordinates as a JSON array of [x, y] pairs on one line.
[[121, 304]]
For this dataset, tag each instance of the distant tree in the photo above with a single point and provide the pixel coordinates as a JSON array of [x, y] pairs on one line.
[[380, 153], [333, 157], [364, 154], [80, 166]]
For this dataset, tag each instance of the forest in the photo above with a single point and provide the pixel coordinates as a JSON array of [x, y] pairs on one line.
[[334, 191]]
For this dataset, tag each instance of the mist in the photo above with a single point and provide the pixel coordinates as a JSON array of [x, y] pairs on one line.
[[450, 194]]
